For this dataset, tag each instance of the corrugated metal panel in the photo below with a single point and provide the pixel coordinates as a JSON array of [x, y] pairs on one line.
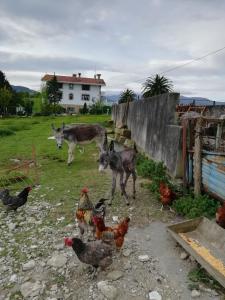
[[213, 174]]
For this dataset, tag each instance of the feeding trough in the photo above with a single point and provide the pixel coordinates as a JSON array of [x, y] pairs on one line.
[[205, 241]]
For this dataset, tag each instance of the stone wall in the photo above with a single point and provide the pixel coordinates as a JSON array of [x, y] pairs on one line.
[[154, 128]]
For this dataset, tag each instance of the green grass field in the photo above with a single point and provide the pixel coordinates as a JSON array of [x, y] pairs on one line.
[[58, 182]]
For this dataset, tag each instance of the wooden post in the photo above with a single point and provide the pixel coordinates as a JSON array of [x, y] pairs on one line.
[[198, 158], [218, 135]]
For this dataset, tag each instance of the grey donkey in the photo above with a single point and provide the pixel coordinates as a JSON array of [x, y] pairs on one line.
[[121, 163]]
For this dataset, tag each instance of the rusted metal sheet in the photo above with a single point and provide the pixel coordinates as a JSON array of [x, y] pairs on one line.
[[205, 241], [213, 174]]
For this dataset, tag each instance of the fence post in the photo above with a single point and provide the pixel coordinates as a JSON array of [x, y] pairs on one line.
[[198, 158]]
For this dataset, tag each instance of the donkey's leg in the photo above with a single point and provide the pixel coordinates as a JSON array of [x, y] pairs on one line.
[[134, 180], [70, 153], [126, 179], [114, 175], [122, 186]]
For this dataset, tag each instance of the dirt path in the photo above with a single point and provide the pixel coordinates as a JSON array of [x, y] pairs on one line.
[[41, 268]]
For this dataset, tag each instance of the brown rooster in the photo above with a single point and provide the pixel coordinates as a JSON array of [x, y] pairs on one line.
[[95, 253], [166, 195], [116, 233], [220, 215], [86, 210]]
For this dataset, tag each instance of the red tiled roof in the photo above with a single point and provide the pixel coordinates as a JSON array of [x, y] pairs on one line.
[[73, 79]]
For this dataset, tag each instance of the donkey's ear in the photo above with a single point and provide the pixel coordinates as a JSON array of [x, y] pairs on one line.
[[53, 127], [111, 146]]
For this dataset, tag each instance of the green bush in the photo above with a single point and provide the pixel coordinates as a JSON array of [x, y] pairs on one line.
[[156, 171], [195, 207], [5, 132]]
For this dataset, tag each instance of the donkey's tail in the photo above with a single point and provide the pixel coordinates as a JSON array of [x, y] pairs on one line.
[[135, 148]]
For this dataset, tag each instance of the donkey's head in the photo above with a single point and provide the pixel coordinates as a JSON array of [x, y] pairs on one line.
[[105, 154], [58, 135]]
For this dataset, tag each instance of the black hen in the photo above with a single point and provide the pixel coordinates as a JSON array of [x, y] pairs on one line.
[[13, 202], [96, 253]]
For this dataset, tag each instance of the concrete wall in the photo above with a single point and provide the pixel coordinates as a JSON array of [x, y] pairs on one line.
[[153, 128], [215, 111]]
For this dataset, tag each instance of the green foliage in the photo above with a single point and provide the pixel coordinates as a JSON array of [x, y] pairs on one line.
[[84, 109], [52, 90], [195, 207], [156, 171], [5, 132], [5, 98], [127, 95], [156, 85], [99, 108], [199, 275]]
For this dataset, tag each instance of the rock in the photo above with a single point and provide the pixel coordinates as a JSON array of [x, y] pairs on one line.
[[31, 289], [195, 294], [13, 278], [183, 255], [127, 265], [11, 226], [154, 295], [28, 266], [127, 252], [115, 219], [109, 291], [115, 275], [143, 258], [129, 143], [57, 261]]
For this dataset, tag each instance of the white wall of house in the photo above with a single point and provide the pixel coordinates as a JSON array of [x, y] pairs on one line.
[[76, 90]]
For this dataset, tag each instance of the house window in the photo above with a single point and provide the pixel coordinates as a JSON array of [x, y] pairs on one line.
[[70, 96], [60, 95], [85, 87], [85, 97], [60, 85], [70, 86]]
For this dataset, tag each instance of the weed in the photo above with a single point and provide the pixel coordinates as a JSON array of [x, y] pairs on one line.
[[195, 207], [5, 132]]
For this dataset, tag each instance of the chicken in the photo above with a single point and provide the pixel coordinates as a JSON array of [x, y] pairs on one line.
[[115, 234], [94, 253], [13, 202], [86, 210], [220, 215], [166, 195]]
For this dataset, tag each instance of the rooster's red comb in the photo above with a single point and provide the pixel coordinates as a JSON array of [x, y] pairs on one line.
[[68, 241], [84, 190]]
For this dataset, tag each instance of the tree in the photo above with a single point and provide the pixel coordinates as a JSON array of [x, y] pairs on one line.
[[4, 82], [127, 95], [84, 109], [156, 85], [52, 90], [5, 98]]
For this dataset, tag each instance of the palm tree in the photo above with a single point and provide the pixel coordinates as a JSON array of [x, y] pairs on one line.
[[127, 96], [156, 85]]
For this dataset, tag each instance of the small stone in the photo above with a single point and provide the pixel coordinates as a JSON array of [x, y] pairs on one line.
[[143, 258], [154, 295], [28, 266], [195, 294], [57, 261], [13, 278], [183, 255], [109, 291], [115, 219], [114, 275], [127, 265], [127, 252], [31, 289], [11, 226]]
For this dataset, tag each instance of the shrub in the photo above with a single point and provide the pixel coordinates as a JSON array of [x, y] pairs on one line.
[[5, 132], [156, 171], [195, 207]]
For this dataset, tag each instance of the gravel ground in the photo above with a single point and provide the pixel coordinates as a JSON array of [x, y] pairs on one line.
[[34, 264]]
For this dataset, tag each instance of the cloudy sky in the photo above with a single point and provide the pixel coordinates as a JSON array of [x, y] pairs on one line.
[[124, 40]]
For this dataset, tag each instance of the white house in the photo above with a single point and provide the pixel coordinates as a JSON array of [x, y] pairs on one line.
[[76, 90]]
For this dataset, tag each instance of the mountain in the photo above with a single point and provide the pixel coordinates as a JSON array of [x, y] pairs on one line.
[[22, 89]]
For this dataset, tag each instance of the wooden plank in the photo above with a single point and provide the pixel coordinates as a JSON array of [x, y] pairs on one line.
[[198, 158]]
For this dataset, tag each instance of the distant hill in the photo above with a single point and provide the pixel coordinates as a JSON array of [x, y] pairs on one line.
[[113, 98], [22, 89]]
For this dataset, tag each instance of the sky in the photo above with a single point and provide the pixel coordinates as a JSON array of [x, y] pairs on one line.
[[124, 40]]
